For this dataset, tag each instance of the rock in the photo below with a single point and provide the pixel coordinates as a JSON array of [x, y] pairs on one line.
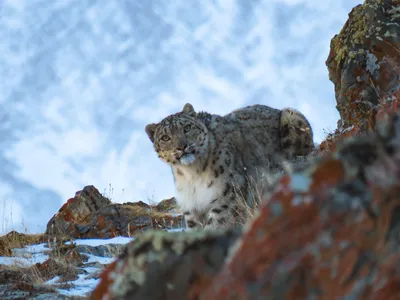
[[168, 221], [140, 204], [116, 220], [167, 205], [90, 215], [109, 250], [162, 265], [126, 220], [364, 65], [76, 211], [8, 276]]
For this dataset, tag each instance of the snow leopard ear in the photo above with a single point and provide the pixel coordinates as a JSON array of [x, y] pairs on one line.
[[188, 109], [150, 130]]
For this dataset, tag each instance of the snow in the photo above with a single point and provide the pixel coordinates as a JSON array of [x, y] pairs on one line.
[[27, 256], [82, 286], [23, 262], [53, 280], [36, 248], [176, 230], [174, 215], [98, 242], [99, 259], [91, 270]]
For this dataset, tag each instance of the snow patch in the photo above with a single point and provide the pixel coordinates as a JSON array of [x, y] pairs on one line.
[[99, 259], [22, 261], [27, 256], [98, 242], [82, 286]]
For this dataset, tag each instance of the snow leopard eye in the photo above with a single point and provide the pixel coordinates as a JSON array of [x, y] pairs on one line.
[[165, 138], [187, 128]]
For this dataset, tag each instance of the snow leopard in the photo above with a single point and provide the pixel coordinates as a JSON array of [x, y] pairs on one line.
[[214, 159]]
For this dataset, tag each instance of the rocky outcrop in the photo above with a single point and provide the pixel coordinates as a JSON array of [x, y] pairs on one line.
[[167, 205], [90, 215], [364, 65], [77, 210], [109, 250]]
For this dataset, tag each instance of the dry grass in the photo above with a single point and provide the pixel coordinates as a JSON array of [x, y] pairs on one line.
[[34, 278], [143, 211], [158, 219], [247, 205], [261, 187], [14, 239]]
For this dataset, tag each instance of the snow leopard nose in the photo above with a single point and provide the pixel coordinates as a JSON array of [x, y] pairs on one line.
[[180, 151], [181, 148]]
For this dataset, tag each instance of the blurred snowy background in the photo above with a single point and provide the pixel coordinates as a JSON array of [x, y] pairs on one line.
[[80, 79]]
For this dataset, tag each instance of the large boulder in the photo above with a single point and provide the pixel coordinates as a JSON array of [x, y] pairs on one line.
[[91, 215], [162, 265], [77, 210], [125, 220], [167, 205], [364, 65]]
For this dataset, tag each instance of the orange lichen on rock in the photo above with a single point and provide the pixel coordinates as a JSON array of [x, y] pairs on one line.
[[364, 65], [161, 265], [326, 175], [91, 215], [364, 62], [77, 210]]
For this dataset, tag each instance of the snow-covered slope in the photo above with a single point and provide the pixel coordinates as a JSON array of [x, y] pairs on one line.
[[81, 79]]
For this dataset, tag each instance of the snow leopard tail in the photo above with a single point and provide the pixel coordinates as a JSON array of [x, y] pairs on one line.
[[296, 133]]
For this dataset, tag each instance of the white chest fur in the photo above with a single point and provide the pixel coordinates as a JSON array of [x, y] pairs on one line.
[[196, 191]]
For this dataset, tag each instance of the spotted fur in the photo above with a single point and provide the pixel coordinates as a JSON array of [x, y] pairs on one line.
[[214, 158]]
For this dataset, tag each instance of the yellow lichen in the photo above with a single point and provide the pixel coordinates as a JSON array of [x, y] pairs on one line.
[[351, 34]]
